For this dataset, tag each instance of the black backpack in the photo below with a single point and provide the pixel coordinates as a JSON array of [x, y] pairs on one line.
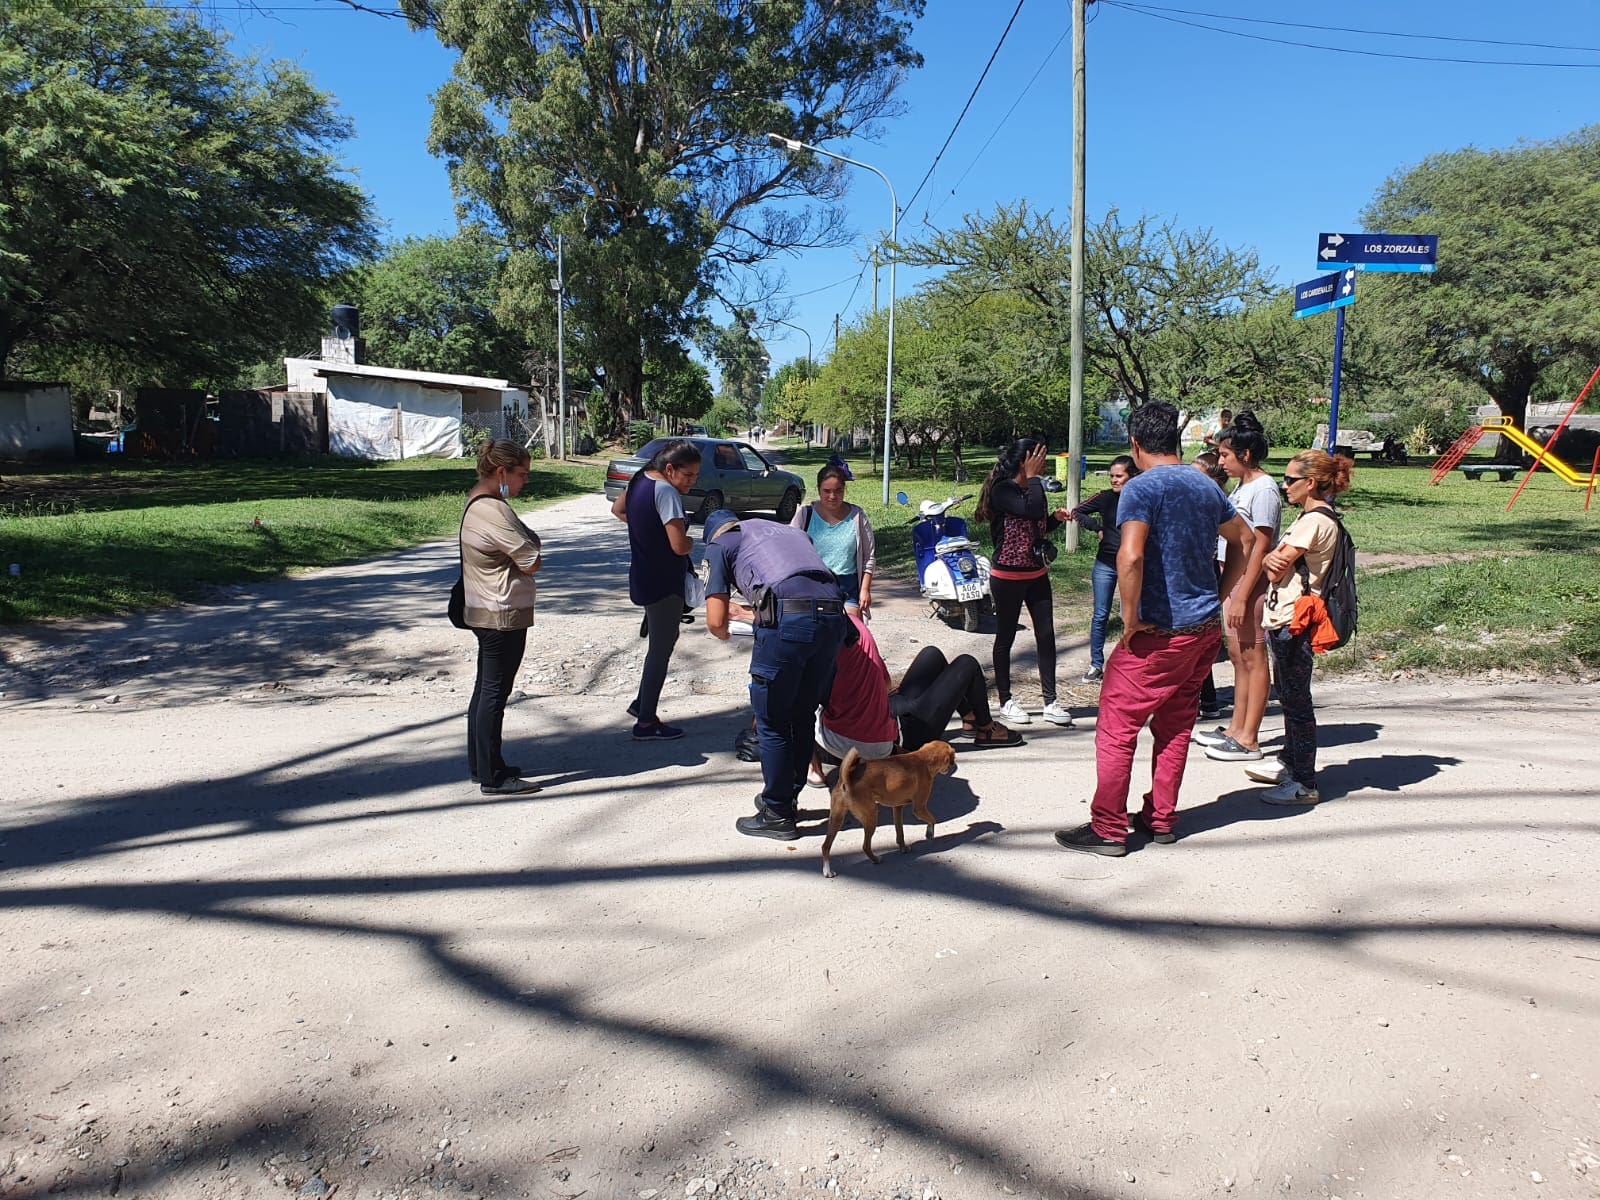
[[1339, 584]]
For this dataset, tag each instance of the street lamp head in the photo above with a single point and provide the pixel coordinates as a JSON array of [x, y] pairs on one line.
[[792, 145]]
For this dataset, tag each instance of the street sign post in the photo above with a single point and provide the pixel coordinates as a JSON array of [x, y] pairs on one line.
[[1415, 252], [1324, 292], [1318, 296]]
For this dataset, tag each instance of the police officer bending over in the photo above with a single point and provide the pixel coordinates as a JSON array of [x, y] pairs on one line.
[[799, 627]]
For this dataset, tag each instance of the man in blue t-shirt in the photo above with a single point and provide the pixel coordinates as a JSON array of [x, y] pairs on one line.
[[799, 627], [1170, 516]]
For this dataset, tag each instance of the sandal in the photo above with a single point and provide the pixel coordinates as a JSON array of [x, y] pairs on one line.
[[995, 735]]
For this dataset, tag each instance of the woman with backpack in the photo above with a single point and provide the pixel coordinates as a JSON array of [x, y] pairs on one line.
[[1020, 521], [1300, 566], [842, 536]]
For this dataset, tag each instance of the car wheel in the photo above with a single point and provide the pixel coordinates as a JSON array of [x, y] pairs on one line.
[[788, 505], [709, 505]]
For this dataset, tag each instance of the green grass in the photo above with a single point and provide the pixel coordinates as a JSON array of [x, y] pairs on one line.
[[95, 539], [1521, 590]]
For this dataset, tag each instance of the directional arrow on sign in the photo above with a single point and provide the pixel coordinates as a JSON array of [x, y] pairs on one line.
[[1336, 239]]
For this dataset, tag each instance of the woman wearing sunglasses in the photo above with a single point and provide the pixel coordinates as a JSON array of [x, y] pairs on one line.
[[1311, 481]]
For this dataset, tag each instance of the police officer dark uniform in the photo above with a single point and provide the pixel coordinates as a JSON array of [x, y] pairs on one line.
[[799, 627]]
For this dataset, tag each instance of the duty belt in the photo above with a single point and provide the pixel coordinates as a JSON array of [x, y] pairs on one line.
[[809, 605]]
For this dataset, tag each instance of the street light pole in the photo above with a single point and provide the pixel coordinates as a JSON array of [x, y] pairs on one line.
[[797, 329], [793, 145], [1075, 370]]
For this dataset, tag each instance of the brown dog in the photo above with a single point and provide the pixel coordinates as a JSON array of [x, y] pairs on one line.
[[895, 782]]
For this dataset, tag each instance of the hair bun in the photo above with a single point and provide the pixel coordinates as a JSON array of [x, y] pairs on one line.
[[1247, 420]]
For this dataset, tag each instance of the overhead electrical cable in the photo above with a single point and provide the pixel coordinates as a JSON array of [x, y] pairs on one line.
[[906, 207], [1259, 37]]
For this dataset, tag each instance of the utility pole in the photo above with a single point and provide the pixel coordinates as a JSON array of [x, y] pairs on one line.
[[1075, 407], [561, 344]]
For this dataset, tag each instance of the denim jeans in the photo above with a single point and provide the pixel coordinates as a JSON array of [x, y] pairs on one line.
[[1105, 593], [791, 673]]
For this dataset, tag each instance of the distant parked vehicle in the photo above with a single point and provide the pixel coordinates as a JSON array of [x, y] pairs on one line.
[[733, 475]]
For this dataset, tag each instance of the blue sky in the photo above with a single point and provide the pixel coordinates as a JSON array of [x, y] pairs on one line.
[[1266, 144]]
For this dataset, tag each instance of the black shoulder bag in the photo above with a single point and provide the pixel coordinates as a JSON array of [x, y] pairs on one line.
[[457, 608]]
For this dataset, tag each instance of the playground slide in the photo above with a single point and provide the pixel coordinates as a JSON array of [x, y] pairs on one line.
[[1560, 469]]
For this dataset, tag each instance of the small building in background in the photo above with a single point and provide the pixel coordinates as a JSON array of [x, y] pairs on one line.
[[390, 413], [35, 420]]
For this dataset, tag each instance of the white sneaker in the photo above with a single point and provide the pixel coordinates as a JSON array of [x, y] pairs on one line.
[[1014, 714], [1268, 771], [1291, 793], [1057, 715]]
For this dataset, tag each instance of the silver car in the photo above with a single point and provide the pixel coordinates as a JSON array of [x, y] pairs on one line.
[[733, 475]]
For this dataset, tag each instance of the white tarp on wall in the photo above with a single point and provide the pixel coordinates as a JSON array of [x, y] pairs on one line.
[[35, 421], [388, 419]]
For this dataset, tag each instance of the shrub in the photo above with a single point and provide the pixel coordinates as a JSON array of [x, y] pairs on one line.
[[639, 432]]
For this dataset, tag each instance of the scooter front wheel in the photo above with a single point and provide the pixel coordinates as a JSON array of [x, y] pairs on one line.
[[969, 615]]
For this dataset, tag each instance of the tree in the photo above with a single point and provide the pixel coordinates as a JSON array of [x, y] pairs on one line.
[[1517, 287], [636, 131], [429, 304], [160, 197], [680, 388], [1157, 297], [742, 361], [786, 395]]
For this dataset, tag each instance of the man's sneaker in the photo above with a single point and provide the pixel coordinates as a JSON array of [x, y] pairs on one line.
[[656, 731], [1014, 714], [1210, 737], [1057, 715], [511, 785], [508, 771], [762, 824], [1292, 794], [1093, 675], [1085, 839], [1228, 750], [1139, 824], [1275, 771]]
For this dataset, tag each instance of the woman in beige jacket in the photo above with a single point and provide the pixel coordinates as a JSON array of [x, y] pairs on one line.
[[499, 558]]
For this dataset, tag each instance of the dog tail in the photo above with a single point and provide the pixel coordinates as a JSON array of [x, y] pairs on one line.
[[852, 760]]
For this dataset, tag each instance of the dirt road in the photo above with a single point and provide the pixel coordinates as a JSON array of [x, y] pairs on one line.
[[261, 938]]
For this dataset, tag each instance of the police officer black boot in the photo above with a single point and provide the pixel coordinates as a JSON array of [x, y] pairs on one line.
[[768, 824]]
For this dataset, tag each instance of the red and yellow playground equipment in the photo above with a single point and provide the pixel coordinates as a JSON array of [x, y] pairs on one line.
[[1542, 457]]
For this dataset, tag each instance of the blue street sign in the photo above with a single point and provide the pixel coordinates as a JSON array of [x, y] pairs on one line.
[[1324, 292], [1377, 251]]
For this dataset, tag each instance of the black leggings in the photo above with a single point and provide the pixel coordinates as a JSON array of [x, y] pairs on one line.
[[1009, 597], [499, 655], [933, 690]]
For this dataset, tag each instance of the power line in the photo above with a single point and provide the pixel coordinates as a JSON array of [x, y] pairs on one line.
[[1430, 37], [1258, 37], [825, 288], [993, 55], [996, 132]]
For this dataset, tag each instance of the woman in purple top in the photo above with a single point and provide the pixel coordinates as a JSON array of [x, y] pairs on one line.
[[658, 536]]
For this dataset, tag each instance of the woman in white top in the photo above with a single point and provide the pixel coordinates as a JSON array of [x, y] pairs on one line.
[[1241, 449]]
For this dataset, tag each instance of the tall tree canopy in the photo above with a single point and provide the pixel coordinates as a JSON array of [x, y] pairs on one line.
[[1517, 288], [636, 130], [429, 304], [160, 198]]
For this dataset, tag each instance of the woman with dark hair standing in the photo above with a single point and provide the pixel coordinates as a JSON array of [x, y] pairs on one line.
[[1013, 502], [1241, 448], [842, 537], [499, 558], [1298, 567], [658, 536], [1099, 512]]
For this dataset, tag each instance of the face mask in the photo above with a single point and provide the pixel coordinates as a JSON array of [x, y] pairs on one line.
[[505, 492]]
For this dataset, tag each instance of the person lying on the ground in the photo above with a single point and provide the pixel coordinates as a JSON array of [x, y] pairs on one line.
[[863, 713]]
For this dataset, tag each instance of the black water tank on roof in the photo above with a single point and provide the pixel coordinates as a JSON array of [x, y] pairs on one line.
[[347, 319]]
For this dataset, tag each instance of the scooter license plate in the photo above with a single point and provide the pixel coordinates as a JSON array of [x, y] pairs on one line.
[[969, 591]]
